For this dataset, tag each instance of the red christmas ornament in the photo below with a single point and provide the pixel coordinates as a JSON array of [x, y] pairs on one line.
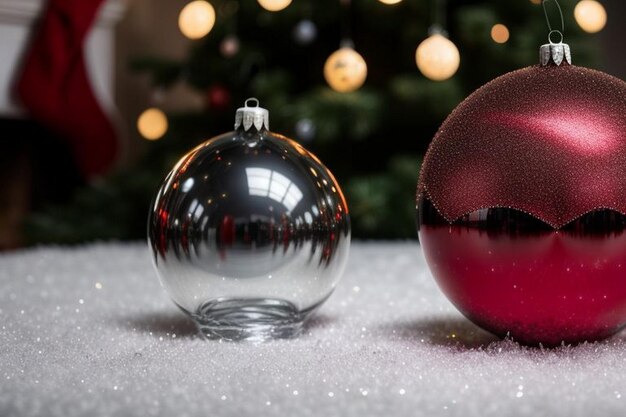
[[218, 97], [522, 203]]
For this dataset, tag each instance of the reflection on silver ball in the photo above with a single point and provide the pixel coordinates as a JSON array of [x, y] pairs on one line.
[[305, 130], [249, 234], [305, 32]]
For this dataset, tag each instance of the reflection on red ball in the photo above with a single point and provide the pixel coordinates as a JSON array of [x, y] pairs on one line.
[[522, 198]]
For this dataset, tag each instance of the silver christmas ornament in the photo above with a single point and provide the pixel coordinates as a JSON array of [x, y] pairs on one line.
[[305, 32], [229, 47], [249, 232], [305, 130]]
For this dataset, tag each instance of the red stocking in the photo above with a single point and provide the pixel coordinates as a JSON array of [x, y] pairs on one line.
[[55, 88]]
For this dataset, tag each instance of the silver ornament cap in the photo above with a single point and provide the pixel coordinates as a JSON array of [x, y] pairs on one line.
[[252, 115], [555, 54]]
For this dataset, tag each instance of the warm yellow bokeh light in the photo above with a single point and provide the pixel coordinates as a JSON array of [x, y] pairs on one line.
[[345, 70], [152, 124], [437, 58], [535, 1], [590, 16], [196, 19], [500, 33], [274, 5], [390, 1]]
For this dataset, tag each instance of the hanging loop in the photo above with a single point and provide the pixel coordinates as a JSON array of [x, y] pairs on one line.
[[555, 52], [252, 100], [553, 31]]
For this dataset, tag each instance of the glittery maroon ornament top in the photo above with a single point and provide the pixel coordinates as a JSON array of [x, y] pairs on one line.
[[546, 140]]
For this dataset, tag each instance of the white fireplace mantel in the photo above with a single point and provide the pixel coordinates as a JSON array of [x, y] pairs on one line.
[[17, 20]]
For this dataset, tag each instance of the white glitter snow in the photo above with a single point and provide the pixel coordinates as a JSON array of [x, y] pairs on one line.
[[89, 332]]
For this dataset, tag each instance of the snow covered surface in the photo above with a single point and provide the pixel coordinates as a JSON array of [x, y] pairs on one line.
[[89, 331]]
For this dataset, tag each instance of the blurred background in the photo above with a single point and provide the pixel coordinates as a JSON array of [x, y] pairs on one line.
[[99, 98]]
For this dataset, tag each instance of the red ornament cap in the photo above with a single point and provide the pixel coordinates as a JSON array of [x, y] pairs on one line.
[[546, 140]]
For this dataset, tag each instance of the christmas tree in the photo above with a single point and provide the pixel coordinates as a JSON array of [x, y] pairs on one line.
[[372, 138]]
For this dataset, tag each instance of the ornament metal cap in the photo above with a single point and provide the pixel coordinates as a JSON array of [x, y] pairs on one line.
[[249, 116], [555, 53]]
